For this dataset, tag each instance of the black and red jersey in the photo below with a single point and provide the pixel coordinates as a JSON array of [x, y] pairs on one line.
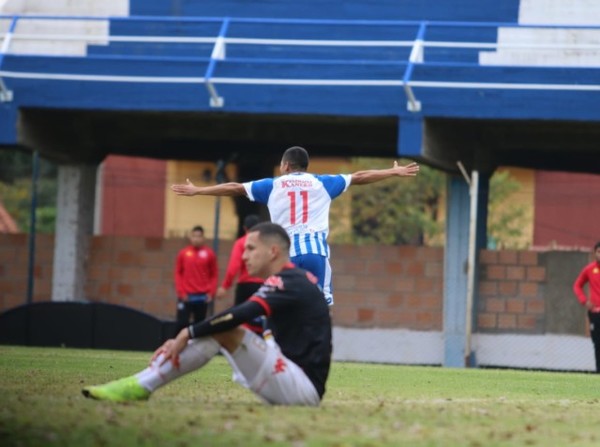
[[297, 314]]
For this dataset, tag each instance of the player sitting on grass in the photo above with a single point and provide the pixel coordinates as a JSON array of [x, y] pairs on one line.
[[290, 371]]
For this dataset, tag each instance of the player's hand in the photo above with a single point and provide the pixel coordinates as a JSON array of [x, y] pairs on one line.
[[410, 170], [589, 305], [221, 291], [172, 348], [189, 189]]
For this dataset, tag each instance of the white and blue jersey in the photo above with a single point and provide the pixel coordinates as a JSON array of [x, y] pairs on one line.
[[300, 202]]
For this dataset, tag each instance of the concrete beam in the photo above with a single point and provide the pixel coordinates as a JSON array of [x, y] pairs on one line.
[[456, 267], [74, 227]]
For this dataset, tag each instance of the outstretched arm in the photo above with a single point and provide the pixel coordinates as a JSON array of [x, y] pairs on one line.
[[224, 189], [376, 175]]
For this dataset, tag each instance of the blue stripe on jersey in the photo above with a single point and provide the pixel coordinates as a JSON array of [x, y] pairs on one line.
[[324, 248], [309, 243], [261, 190], [334, 184], [296, 246]]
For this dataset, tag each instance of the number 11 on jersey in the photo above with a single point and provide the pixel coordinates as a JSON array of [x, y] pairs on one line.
[[304, 198]]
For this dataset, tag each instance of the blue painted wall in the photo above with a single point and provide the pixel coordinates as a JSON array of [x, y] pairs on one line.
[[297, 62], [456, 10]]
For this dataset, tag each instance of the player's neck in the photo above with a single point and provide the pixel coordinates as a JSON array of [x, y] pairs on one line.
[[279, 265]]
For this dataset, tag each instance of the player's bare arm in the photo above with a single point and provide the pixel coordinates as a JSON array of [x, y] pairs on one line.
[[376, 175], [224, 189]]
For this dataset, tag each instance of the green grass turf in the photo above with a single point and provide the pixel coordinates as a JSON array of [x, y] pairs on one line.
[[365, 405]]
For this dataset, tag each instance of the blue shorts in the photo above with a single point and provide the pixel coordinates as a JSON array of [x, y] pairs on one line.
[[319, 266]]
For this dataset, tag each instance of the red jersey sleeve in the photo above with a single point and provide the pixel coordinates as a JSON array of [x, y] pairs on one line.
[[581, 281], [235, 263]]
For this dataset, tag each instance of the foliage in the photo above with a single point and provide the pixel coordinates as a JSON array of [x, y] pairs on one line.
[[411, 210], [506, 218], [395, 211], [15, 165], [365, 405], [16, 191]]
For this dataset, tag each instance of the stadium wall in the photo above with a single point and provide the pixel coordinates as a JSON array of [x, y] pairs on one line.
[[565, 211], [388, 299], [460, 10], [132, 196]]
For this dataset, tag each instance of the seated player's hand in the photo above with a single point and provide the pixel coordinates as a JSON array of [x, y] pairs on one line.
[[171, 349]]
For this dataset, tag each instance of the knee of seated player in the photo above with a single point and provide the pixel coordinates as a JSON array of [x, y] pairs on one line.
[[230, 340]]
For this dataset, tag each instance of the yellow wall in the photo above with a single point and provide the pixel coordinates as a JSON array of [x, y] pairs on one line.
[[524, 197], [183, 213]]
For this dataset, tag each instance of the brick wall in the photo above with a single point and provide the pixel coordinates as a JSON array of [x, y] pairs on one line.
[[511, 292], [374, 286], [388, 287], [14, 257]]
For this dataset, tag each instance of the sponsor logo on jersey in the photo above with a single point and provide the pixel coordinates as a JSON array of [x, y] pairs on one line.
[[296, 183], [275, 282]]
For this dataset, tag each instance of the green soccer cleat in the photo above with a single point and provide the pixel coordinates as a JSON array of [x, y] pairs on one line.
[[127, 389]]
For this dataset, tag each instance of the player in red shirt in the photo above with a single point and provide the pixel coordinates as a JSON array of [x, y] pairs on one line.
[[247, 285], [591, 275], [196, 274]]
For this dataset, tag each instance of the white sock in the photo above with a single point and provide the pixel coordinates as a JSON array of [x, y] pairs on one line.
[[196, 354]]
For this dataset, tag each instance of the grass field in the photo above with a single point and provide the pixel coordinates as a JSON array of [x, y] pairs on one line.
[[365, 405]]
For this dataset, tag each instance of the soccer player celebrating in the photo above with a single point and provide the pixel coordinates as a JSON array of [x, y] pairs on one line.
[[290, 369], [300, 202]]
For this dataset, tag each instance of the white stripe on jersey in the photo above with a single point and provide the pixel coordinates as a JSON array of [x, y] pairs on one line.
[[300, 202]]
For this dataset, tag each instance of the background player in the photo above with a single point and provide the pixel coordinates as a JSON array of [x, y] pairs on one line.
[[290, 371], [196, 275], [591, 275], [246, 285], [300, 202]]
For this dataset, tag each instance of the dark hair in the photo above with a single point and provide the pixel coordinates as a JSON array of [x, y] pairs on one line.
[[268, 230], [250, 220], [198, 228], [597, 246], [297, 157]]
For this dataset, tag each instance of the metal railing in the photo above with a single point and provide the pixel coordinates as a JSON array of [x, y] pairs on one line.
[[220, 41]]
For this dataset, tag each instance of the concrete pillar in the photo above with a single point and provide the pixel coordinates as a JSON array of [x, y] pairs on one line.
[[455, 266], [74, 225]]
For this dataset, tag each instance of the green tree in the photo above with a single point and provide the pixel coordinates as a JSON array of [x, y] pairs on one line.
[[395, 211], [16, 190], [506, 218], [408, 211]]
